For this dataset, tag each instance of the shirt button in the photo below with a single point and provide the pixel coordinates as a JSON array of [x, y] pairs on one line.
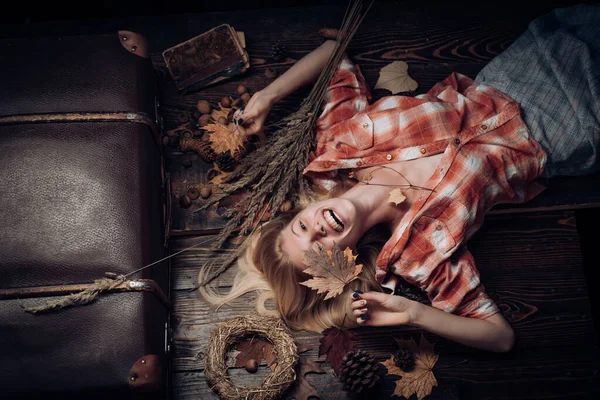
[[388, 157], [423, 150], [359, 163], [457, 141], [365, 125], [438, 227], [484, 127]]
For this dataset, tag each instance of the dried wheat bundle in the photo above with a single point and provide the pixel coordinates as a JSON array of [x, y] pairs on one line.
[[274, 172]]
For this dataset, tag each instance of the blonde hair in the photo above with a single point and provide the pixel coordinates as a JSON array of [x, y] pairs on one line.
[[264, 268]]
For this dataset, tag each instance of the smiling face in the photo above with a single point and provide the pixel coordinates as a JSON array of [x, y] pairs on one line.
[[321, 224]]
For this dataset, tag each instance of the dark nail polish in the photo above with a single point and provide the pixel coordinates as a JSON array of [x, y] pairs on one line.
[[358, 291], [355, 295], [240, 121], [363, 317]]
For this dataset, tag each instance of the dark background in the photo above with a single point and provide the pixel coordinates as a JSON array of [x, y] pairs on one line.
[[22, 12]]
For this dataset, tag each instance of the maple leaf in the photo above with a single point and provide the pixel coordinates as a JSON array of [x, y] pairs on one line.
[[302, 389], [421, 379], [223, 138], [331, 270], [254, 348], [396, 196], [336, 343], [394, 77]]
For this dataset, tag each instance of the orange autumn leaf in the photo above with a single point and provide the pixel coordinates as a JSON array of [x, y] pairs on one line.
[[223, 139], [331, 270], [420, 380]]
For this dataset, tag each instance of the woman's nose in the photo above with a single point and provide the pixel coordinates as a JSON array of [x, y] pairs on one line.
[[319, 230]]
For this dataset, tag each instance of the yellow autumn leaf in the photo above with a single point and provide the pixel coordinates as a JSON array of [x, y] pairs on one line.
[[419, 380], [394, 77], [396, 196]]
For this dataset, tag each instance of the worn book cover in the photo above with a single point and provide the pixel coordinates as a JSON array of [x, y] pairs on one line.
[[211, 57]]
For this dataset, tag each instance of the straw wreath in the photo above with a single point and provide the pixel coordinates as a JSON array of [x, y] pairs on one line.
[[231, 332]]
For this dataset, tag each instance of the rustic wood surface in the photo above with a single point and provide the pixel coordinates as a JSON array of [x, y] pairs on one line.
[[530, 265]]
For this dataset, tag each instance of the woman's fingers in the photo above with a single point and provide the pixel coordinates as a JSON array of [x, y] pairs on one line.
[[360, 303], [360, 311]]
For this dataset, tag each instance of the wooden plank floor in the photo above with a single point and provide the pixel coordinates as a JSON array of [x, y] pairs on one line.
[[530, 263]]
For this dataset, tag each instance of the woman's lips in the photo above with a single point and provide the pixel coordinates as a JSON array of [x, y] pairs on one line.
[[333, 220]]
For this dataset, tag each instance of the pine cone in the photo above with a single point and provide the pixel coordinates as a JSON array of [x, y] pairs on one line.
[[404, 359], [359, 371], [278, 51], [200, 146], [239, 153], [225, 162]]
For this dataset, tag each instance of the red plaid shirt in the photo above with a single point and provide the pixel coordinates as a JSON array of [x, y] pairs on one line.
[[488, 157]]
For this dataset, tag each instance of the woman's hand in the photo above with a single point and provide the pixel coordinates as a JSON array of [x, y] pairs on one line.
[[251, 118], [380, 309]]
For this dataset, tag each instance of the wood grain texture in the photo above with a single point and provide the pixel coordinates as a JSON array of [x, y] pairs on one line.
[[530, 265], [572, 372], [433, 45]]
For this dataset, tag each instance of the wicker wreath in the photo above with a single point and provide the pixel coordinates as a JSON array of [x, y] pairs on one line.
[[229, 333]]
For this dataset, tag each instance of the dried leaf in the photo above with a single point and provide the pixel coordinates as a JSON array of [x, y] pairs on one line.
[[302, 389], [223, 139], [336, 343], [421, 379], [396, 196], [394, 77], [254, 348], [303, 348], [218, 179], [216, 114], [331, 270]]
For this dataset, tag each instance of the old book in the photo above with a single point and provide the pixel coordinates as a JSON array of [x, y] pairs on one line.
[[211, 57]]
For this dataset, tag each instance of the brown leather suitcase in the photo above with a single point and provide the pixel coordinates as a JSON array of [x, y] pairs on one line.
[[82, 193]]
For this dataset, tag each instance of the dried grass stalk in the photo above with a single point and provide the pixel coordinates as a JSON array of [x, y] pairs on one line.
[[231, 332], [274, 172]]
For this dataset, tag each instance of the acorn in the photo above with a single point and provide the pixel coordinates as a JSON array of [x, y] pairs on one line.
[[205, 191], [226, 102], [196, 114], [245, 97], [185, 201], [203, 106], [252, 365], [286, 206], [204, 120], [270, 73], [241, 89], [186, 133], [236, 102], [193, 193], [212, 173], [222, 120]]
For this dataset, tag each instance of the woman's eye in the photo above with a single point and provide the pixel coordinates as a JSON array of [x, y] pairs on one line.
[[302, 226], [319, 247]]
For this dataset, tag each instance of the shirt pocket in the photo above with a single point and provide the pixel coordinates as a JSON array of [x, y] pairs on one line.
[[434, 235], [362, 131]]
